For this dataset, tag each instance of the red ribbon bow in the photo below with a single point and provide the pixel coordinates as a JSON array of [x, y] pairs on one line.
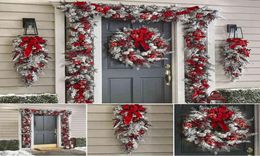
[[234, 42], [32, 44], [140, 36], [218, 116], [131, 113]]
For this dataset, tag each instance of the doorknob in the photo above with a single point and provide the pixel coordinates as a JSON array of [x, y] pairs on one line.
[[250, 151], [168, 74]]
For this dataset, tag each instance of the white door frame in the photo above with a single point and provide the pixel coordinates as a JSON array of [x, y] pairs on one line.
[[98, 60], [178, 63]]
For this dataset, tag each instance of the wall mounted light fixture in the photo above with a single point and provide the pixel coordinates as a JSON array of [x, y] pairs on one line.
[[232, 30], [29, 26]]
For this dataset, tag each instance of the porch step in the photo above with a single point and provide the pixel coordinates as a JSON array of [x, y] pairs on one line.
[[46, 147]]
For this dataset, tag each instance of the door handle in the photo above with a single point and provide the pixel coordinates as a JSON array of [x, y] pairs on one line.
[[55, 131], [250, 151], [168, 74]]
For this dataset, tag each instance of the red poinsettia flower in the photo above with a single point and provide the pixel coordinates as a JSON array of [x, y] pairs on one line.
[[184, 12], [154, 17], [205, 83], [199, 15], [168, 13], [141, 132], [187, 125], [79, 4], [198, 35], [241, 122], [106, 9]]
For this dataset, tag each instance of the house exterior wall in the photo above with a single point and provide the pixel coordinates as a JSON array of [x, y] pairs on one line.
[[9, 115], [101, 139], [10, 26], [245, 13], [9, 124]]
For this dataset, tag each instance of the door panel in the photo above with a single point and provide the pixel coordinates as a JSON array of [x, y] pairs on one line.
[[122, 84], [38, 127], [183, 147], [152, 89], [120, 89], [45, 129]]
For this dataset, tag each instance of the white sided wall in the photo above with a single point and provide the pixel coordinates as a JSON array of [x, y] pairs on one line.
[[10, 26], [8, 124], [9, 114], [102, 141]]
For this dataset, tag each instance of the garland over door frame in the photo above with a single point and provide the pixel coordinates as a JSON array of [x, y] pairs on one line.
[[26, 126], [178, 59]]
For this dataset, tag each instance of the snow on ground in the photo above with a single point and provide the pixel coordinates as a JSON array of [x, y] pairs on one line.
[[84, 149], [15, 153], [26, 95]]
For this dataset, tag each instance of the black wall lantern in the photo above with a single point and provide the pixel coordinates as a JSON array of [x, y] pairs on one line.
[[29, 26], [232, 30]]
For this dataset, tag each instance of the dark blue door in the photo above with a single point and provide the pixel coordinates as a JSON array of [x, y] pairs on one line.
[[125, 84], [45, 128]]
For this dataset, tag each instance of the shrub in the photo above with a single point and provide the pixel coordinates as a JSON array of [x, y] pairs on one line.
[[241, 95], [80, 142], [33, 98], [9, 145]]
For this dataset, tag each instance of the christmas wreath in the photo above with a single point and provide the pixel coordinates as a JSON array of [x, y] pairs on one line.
[[236, 54], [30, 57], [130, 124], [216, 128], [138, 47]]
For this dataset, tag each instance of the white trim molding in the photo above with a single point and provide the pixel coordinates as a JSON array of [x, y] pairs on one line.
[[60, 89], [58, 132], [32, 131], [178, 69], [211, 53], [98, 60], [20, 128]]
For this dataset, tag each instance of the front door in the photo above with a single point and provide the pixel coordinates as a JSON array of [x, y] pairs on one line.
[[45, 128], [121, 84], [183, 147]]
